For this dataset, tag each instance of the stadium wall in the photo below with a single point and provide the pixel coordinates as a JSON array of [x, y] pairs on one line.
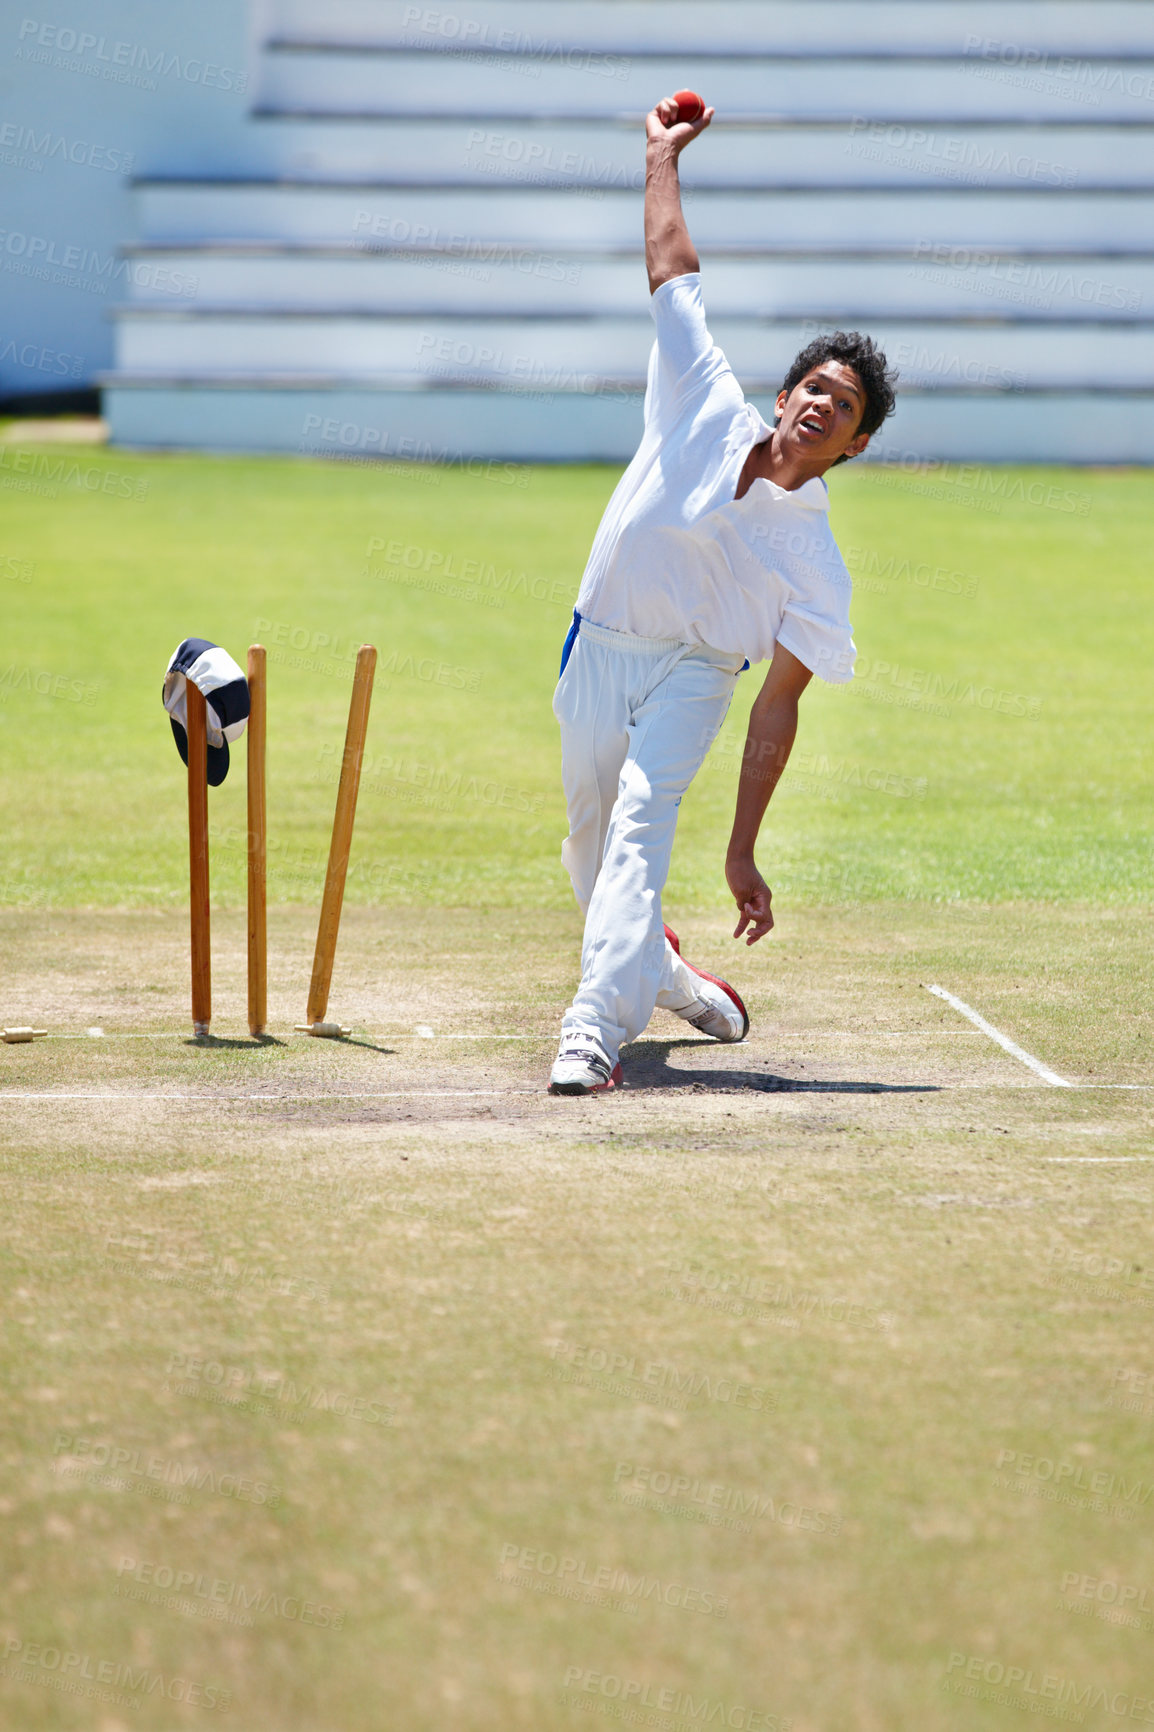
[[341, 226], [88, 106]]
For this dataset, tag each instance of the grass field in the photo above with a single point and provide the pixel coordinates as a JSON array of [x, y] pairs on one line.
[[366, 1386]]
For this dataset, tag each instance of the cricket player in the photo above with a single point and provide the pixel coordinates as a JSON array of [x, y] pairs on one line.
[[714, 552]]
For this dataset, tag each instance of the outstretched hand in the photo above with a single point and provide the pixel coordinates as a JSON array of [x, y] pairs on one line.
[[662, 125], [753, 897]]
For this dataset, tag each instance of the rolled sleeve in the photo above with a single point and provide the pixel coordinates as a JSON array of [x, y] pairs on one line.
[[683, 340], [822, 645], [685, 361]]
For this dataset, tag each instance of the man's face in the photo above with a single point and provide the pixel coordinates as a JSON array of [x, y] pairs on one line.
[[820, 416]]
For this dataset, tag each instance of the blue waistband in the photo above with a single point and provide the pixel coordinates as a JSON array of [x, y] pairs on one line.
[[571, 639]]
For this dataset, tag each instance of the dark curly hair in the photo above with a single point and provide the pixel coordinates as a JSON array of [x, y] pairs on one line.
[[868, 362]]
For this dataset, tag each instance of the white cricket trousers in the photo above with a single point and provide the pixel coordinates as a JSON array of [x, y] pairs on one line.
[[637, 717]]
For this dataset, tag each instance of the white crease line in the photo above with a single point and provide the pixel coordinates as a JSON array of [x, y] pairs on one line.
[[770, 1035], [181, 1034], [510, 1094], [1006, 1044], [324, 1095]]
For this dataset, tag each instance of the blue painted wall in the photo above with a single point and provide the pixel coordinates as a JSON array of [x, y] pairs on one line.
[[91, 95]]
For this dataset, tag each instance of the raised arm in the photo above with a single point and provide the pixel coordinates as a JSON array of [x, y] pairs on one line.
[[772, 728], [669, 252]]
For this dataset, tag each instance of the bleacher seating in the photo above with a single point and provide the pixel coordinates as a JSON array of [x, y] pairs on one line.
[[433, 242]]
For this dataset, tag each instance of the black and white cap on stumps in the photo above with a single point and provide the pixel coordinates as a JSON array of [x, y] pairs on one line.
[[225, 690]]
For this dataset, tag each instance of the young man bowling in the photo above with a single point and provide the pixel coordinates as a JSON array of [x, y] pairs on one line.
[[714, 552]]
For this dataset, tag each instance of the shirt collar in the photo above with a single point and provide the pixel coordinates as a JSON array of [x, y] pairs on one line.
[[813, 494], [761, 427]]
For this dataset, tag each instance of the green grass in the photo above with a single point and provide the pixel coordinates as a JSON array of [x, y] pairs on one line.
[[1031, 785], [912, 1281], [946, 1262]]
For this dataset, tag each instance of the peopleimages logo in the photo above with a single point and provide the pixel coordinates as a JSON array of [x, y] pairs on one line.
[[1088, 79], [924, 683], [577, 1363], [452, 31], [192, 1590], [608, 1578], [649, 1487], [918, 574], [1102, 1481], [633, 1694], [763, 1290], [81, 267], [100, 57], [955, 158], [41, 147], [78, 1674], [1046, 1693], [260, 1390], [85, 1454], [1076, 1584], [1050, 279], [483, 574]]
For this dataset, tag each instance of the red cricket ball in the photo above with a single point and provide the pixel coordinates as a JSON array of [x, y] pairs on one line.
[[689, 105]]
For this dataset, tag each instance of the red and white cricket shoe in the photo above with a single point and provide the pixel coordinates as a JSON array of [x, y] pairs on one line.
[[582, 1067], [717, 1010]]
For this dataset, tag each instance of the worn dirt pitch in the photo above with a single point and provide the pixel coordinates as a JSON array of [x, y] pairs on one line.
[[864, 1290]]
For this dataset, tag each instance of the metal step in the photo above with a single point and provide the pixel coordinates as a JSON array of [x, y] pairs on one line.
[[1019, 27], [480, 430], [832, 220], [498, 279], [598, 355], [587, 84], [467, 152]]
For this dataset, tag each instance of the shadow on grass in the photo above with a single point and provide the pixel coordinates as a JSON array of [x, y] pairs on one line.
[[227, 1043], [648, 1066], [254, 1042], [346, 1040]]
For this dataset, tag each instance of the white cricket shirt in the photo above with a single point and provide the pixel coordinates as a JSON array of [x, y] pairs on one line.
[[676, 556]]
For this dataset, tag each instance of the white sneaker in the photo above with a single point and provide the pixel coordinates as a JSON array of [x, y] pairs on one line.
[[582, 1067], [717, 1010]]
